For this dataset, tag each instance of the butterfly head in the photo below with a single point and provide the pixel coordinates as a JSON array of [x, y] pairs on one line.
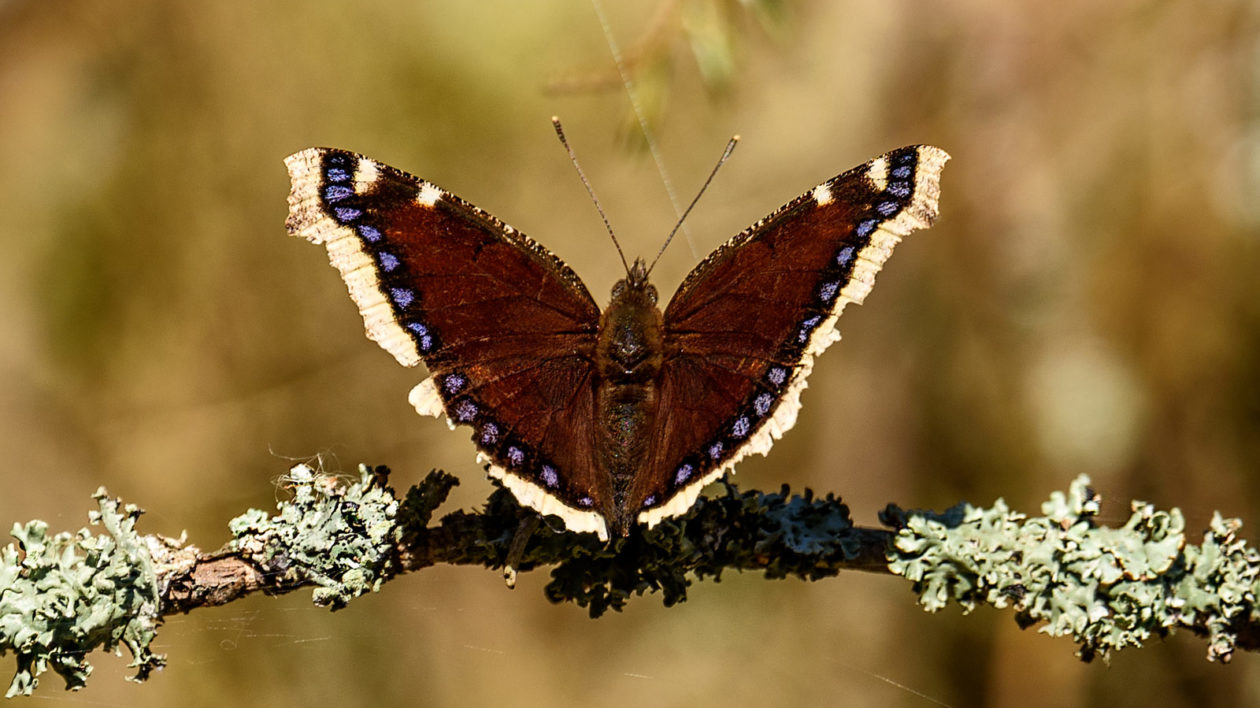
[[636, 280]]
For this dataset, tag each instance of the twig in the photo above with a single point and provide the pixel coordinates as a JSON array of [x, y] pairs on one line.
[[63, 596]]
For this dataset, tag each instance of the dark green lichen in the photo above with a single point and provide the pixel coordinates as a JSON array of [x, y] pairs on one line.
[[775, 533]]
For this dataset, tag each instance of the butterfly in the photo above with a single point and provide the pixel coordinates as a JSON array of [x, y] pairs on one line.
[[614, 417]]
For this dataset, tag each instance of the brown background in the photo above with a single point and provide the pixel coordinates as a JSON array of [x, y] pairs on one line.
[[1088, 302]]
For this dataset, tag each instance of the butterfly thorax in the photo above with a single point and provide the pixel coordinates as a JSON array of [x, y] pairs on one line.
[[629, 345], [628, 355]]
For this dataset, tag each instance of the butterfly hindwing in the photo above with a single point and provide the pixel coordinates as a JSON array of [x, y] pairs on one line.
[[742, 331], [505, 328]]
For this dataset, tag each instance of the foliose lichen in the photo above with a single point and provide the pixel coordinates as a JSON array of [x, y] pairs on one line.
[[1107, 588], [776, 533], [63, 596], [340, 537]]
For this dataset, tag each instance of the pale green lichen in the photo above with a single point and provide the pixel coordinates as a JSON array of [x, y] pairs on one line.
[[63, 596], [341, 538], [1107, 588]]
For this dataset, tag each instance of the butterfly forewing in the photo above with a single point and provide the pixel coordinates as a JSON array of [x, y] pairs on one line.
[[505, 328], [742, 331]]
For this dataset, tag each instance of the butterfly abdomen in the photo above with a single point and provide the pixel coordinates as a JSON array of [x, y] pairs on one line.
[[629, 350]]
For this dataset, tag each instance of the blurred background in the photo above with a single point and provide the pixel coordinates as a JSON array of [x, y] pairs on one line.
[[1089, 302]]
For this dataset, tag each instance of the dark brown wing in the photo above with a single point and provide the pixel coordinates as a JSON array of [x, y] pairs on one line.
[[742, 331], [506, 329]]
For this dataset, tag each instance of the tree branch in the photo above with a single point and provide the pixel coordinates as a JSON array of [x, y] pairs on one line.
[[63, 596]]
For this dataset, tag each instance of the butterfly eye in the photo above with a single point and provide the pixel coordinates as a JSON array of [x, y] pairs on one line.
[[651, 293], [618, 288]]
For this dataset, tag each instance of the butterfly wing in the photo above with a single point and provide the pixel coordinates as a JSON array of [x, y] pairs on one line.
[[742, 331], [505, 328]]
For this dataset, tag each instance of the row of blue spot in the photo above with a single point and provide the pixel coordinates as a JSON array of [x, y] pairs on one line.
[[895, 197], [737, 431], [514, 456], [346, 208], [900, 189]]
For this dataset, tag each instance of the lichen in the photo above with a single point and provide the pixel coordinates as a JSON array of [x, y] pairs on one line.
[[1107, 588], [777, 533], [63, 596], [340, 537]]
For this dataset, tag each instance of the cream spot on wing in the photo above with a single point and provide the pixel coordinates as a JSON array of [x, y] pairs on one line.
[[822, 194], [365, 175], [878, 173], [428, 195], [425, 399]]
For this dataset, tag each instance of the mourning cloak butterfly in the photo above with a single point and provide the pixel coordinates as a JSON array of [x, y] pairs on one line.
[[605, 419]]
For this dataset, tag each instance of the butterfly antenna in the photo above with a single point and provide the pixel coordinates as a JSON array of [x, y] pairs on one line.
[[555, 121], [730, 147], [641, 115]]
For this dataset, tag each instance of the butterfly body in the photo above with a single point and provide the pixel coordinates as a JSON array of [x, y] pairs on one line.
[[629, 352], [614, 417]]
